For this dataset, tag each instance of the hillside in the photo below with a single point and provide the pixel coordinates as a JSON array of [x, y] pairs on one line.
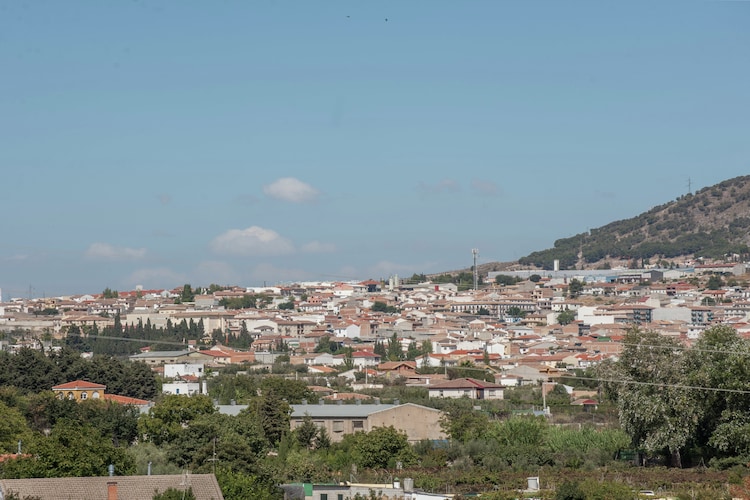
[[711, 223]]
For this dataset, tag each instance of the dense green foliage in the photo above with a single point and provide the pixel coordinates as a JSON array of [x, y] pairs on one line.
[[684, 403], [488, 446], [31, 371]]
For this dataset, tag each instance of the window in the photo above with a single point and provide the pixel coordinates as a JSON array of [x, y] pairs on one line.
[[340, 496], [324, 496], [84, 395], [338, 426], [358, 424]]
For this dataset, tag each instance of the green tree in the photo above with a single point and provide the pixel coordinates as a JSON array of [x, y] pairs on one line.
[[515, 312], [719, 360], [714, 282], [566, 317], [291, 391], [378, 306], [381, 448], [306, 432], [238, 486], [187, 295], [13, 427], [108, 293], [273, 415], [394, 350], [462, 423], [72, 449], [165, 419], [656, 411], [504, 279], [575, 287], [287, 306], [175, 494]]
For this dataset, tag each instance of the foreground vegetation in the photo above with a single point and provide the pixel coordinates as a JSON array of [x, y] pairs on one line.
[[663, 405]]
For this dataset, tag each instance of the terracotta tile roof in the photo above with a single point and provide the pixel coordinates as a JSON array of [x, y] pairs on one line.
[[204, 486], [461, 383], [78, 385], [125, 400]]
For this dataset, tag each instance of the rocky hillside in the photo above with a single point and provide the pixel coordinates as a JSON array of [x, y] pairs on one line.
[[711, 223]]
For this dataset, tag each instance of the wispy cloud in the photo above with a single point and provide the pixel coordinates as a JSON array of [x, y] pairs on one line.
[[318, 247], [253, 241], [19, 257], [485, 188], [292, 190], [105, 251], [440, 187]]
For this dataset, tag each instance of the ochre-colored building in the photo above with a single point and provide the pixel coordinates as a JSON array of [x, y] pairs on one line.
[[79, 390]]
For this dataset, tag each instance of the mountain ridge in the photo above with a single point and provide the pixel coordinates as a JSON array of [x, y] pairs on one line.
[[713, 223]]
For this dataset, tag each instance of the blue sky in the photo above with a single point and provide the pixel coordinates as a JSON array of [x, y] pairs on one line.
[[161, 143]]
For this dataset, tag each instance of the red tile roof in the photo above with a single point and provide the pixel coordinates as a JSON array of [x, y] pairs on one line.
[[125, 400], [78, 385]]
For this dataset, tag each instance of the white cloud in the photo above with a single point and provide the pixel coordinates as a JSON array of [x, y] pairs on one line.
[[158, 277], [485, 188], [443, 186], [105, 251], [318, 247], [292, 190], [19, 257], [253, 241]]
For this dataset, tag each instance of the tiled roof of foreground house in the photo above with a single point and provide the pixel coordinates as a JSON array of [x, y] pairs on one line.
[[204, 486]]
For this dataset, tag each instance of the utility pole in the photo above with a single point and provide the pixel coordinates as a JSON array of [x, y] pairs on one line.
[[475, 254]]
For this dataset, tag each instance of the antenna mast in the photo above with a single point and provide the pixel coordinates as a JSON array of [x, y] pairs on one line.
[[475, 254]]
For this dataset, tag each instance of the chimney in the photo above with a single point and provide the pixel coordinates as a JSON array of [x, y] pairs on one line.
[[112, 490]]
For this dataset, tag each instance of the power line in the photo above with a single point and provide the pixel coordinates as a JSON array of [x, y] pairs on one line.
[[128, 339], [682, 348], [660, 384]]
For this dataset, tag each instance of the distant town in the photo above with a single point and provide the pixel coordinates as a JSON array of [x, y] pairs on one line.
[[531, 325], [384, 374]]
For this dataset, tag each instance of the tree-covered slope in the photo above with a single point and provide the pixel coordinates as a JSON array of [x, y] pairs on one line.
[[712, 223]]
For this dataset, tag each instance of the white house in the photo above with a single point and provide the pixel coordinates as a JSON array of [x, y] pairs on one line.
[[466, 387], [174, 370], [181, 388]]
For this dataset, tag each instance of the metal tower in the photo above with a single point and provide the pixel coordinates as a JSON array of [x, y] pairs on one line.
[[475, 253]]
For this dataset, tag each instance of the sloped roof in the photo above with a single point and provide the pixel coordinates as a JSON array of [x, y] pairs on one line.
[[78, 385], [204, 486], [466, 383], [125, 400]]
